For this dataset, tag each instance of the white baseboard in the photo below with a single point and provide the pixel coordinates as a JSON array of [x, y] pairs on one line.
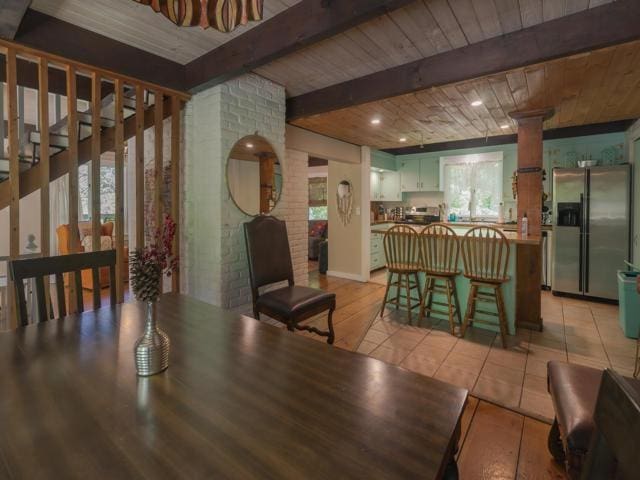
[[348, 276]]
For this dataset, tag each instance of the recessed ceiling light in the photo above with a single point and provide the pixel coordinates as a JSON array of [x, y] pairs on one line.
[[249, 145], [504, 127], [375, 121], [476, 103], [403, 139]]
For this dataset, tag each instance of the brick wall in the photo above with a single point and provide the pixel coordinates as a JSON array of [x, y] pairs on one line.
[[213, 258]]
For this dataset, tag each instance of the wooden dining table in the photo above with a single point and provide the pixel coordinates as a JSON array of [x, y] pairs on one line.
[[241, 399]]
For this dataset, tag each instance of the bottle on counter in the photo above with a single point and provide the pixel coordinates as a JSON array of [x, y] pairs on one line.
[[524, 225], [501, 213]]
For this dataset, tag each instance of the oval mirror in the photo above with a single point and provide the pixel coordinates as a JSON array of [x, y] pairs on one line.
[[254, 175]]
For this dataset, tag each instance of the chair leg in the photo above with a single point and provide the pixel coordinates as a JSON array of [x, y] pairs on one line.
[[502, 316], [408, 287], [471, 309], [457, 302], [386, 294], [398, 287], [331, 336], [554, 443], [256, 314], [452, 326], [417, 278]]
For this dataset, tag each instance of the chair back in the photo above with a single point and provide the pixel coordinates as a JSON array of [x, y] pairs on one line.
[[268, 252], [40, 269], [485, 253], [440, 249], [613, 452], [401, 248]]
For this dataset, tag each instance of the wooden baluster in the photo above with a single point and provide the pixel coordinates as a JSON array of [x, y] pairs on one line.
[[72, 127], [119, 150], [45, 221], [159, 163], [96, 134], [139, 167], [14, 176], [175, 184]]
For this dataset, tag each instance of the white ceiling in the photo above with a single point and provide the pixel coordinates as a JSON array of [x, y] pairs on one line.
[[138, 25]]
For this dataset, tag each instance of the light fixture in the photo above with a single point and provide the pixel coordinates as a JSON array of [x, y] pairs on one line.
[[504, 127], [249, 145], [375, 121], [476, 103], [403, 139], [223, 15]]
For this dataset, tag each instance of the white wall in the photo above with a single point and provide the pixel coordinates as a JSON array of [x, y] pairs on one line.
[[214, 265]]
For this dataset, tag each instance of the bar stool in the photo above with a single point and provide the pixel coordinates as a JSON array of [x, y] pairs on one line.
[[485, 253], [440, 250], [402, 254]]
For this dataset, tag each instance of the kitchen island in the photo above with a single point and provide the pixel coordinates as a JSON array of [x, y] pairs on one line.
[[463, 284]]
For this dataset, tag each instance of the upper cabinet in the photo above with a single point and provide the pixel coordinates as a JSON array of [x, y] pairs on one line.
[[419, 174], [385, 186]]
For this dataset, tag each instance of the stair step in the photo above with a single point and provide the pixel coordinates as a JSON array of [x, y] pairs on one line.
[[86, 118], [55, 140]]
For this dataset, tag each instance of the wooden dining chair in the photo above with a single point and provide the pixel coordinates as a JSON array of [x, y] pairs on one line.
[[439, 252], [614, 449], [40, 269], [270, 263], [485, 254], [402, 254]]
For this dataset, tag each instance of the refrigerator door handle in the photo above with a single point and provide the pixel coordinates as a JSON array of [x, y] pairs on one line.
[[587, 217], [581, 241]]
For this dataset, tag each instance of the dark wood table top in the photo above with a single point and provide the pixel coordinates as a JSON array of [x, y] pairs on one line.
[[241, 399]]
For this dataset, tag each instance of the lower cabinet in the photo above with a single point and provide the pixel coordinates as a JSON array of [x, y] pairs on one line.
[[377, 251]]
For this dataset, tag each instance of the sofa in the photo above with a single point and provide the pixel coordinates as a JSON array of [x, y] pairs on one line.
[[107, 243], [317, 234]]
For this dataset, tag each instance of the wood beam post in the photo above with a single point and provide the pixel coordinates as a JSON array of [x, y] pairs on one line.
[[14, 177], [119, 154], [96, 112], [175, 184], [529, 256]]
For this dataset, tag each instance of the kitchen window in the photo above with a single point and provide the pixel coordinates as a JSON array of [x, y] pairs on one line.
[[473, 184], [107, 192]]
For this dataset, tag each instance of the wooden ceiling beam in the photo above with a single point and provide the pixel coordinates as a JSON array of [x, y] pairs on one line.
[[599, 27], [301, 25], [11, 14], [49, 34]]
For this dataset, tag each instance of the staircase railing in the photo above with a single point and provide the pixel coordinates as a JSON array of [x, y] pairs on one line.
[[82, 137]]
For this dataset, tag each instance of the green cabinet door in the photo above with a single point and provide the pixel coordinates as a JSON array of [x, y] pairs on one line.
[[390, 186], [409, 175], [429, 174], [375, 186]]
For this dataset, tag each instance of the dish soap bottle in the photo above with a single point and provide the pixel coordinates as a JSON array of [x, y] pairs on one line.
[[501, 213], [524, 225]]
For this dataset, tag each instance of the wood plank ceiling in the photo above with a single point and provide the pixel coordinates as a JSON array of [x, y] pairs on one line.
[[594, 87], [421, 29], [137, 25]]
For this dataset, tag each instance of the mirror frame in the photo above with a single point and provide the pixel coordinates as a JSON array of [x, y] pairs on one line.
[[226, 174]]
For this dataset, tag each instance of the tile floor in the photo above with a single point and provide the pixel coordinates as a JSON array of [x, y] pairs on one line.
[[576, 331]]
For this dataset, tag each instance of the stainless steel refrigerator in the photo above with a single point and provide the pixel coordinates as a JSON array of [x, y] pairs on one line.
[[591, 208]]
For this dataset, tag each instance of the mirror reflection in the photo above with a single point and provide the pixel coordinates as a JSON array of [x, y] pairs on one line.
[[254, 175]]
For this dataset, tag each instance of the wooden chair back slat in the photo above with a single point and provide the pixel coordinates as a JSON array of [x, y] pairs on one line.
[[95, 278], [485, 254], [439, 248], [40, 269], [401, 248], [62, 302]]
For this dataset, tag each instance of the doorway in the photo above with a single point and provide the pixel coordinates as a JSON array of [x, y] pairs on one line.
[[318, 214]]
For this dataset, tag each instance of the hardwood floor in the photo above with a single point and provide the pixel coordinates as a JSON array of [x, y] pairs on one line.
[[496, 443]]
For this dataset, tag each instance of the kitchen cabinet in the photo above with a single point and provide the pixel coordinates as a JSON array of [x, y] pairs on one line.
[[375, 186], [419, 174], [377, 251], [385, 187]]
